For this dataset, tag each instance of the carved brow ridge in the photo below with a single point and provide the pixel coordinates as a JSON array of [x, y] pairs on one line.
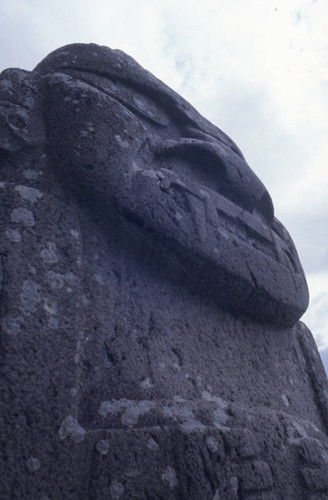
[[110, 93], [164, 98]]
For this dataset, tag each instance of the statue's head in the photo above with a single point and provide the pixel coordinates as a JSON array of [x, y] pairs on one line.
[[122, 140]]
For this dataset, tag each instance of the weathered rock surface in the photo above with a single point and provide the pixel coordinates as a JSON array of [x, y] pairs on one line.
[[150, 342]]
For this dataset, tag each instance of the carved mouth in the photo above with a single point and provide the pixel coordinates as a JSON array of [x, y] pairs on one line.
[[250, 231], [254, 227], [243, 207], [227, 251]]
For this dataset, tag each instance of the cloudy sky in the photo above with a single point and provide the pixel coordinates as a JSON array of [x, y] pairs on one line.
[[258, 69]]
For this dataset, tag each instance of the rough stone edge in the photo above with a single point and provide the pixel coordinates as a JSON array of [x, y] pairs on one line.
[[315, 369]]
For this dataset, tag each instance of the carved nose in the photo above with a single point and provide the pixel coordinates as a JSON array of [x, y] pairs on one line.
[[221, 169]]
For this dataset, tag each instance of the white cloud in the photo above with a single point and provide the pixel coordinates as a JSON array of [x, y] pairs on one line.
[[317, 316]]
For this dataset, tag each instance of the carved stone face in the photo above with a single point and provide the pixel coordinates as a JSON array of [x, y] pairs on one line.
[[122, 140]]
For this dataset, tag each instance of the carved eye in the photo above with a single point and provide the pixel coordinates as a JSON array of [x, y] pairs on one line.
[[136, 102], [150, 109]]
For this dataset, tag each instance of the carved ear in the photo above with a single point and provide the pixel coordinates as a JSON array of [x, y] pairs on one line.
[[13, 128], [21, 121]]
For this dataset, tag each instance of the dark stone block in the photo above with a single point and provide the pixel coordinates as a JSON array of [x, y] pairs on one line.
[[150, 343]]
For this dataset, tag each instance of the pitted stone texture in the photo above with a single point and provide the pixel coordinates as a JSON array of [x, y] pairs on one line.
[[316, 479], [149, 300], [255, 476]]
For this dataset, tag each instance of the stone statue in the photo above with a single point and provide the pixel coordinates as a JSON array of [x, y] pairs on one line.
[[150, 299]]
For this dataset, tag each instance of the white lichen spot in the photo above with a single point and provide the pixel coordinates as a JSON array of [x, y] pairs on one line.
[[13, 235], [2, 185], [57, 280], [146, 383], [33, 464], [32, 174], [130, 410], [133, 412], [185, 416], [135, 167], [285, 400], [324, 456], [12, 324], [216, 399], [74, 392], [149, 173], [50, 306], [29, 193], [32, 269], [62, 53], [212, 444], [151, 443], [23, 216], [204, 193], [85, 301], [116, 490], [217, 495], [71, 428], [219, 417], [121, 142], [234, 484], [171, 477], [103, 447], [53, 323], [132, 473], [179, 399], [70, 278], [99, 278], [75, 233], [48, 255], [299, 429], [30, 296], [313, 426]]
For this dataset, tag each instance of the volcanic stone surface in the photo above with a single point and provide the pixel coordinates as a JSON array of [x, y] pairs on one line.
[[150, 343]]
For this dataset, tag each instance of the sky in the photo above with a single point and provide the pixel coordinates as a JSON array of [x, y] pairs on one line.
[[256, 69]]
